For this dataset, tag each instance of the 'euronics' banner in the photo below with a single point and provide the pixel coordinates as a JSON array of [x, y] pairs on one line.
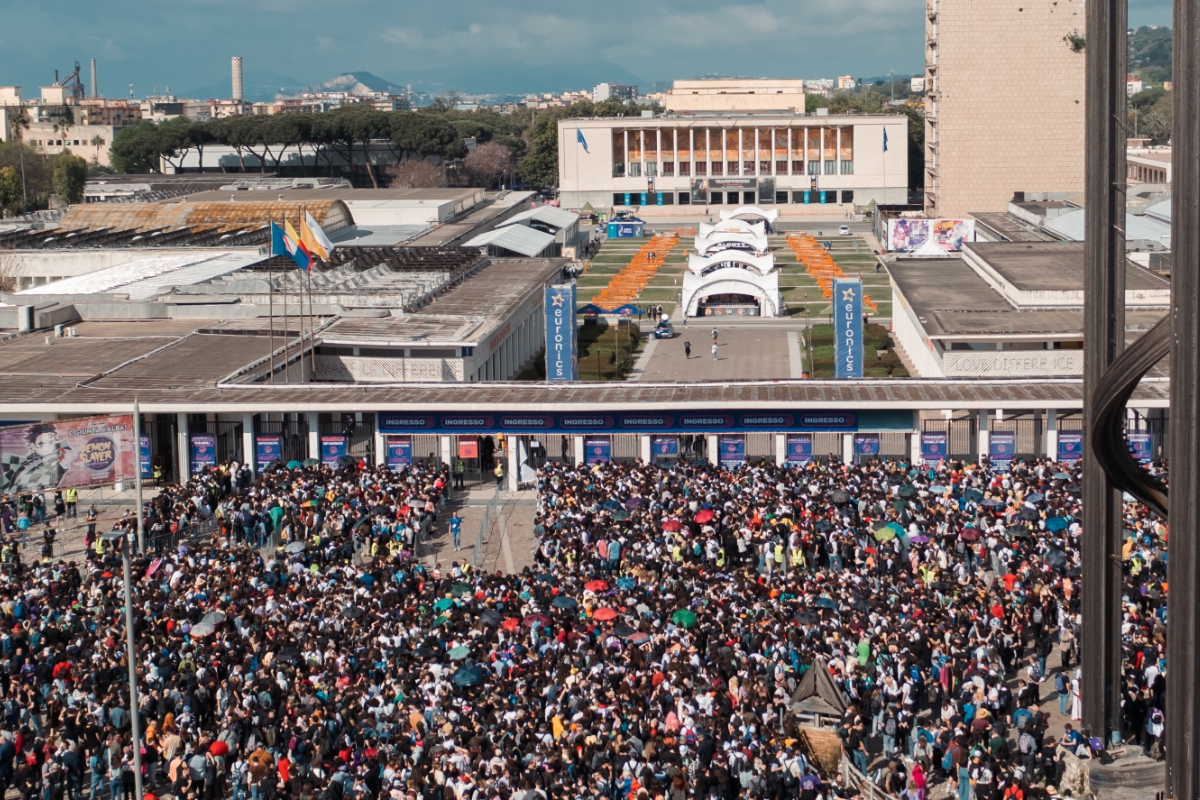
[[597, 449], [799, 448], [665, 446], [1070, 445], [1140, 446], [733, 449], [560, 333], [268, 447], [934, 445], [333, 446], [1002, 446], [847, 328], [399, 452], [72, 452], [648, 422], [204, 451]]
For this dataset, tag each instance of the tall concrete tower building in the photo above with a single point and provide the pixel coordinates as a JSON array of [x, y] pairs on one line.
[[1004, 101], [238, 93]]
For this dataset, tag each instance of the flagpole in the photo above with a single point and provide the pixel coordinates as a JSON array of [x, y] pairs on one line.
[[306, 281], [287, 367], [271, 288], [312, 334]]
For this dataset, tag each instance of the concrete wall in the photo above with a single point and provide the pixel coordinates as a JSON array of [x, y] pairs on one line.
[[908, 332], [45, 265]]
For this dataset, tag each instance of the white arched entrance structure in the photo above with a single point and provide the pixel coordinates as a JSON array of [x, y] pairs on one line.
[[731, 234], [731, 282], [751, 213]]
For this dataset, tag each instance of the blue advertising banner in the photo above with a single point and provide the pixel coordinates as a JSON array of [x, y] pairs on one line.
[[650, 422], [799, 448], [934, 445], [732, 449], [333, 446], [597, 449], [268, 447], [1070, 445], [1140, 446], [1002, 446], [204, 451], [665, 446], [560, 333], [866, 444], [847, 328], [144, 460], [399, 452]]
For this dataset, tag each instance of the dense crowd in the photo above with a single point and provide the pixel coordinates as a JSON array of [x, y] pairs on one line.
[[654, 651]]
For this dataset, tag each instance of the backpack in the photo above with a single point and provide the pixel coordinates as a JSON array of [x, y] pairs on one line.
[[1060, 683], [889, 726], [1037, 616], [948, 759], [1025, 743]]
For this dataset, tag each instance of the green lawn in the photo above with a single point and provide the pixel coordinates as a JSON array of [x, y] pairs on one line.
[[818, 353]]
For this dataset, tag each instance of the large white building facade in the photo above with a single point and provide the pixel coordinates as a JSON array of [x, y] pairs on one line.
[[807, 163]]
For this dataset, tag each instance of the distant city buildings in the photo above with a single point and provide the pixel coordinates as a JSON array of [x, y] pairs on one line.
[[614, 91]]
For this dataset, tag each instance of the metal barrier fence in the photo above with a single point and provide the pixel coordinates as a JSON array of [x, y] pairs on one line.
[[195, 533]]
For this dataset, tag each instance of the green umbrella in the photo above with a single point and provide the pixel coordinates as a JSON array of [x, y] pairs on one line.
[[885, 534], [459, 653], [684, 617], [459, 589], [621, 515], [294, 465], [311, 462], [897, 529], [443, 604], [907, 490], [441, 619]]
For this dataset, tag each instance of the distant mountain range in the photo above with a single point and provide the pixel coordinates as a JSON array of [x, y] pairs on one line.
[[360, 83]]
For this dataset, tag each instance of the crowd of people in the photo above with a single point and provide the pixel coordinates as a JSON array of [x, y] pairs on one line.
[[303, 650]]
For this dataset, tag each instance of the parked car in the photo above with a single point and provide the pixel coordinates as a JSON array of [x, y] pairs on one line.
[[664, 330], [844, 230]]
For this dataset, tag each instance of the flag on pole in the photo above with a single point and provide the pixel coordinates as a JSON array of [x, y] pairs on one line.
[[579, 138], [287, 243], [885, 140], [314, 238]]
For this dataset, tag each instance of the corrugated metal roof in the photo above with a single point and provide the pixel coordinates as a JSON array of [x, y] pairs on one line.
[[118, 275], [557, 217], [516, 238], [332, 215]]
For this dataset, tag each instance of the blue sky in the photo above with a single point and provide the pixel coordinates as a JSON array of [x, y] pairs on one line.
[[188, 43]]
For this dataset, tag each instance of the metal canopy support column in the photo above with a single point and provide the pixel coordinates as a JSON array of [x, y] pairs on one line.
[[1104, 338], [1183, 570], [1051, 447]]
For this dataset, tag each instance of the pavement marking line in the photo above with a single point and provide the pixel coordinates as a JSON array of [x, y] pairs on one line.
[[644, 359], [794, 360]]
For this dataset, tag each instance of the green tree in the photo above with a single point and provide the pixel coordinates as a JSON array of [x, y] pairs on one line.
[[10, 190], [70, 176], [136, 149], [175, 140], [97, 142]]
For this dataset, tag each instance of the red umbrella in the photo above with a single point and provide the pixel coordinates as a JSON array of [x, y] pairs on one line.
[[535, 619], [704, 516], [218, 748], [672, 525], [511, 624], [596, 585], [605, 614]]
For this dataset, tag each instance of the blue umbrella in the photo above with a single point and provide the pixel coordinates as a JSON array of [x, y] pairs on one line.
[[468, 676], [565, 603], [610, 504], [825, 602], [1036, 497], [1061, 476], [626, 583], [1056, 524]]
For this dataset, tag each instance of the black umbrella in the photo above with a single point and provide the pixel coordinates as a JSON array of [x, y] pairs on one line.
[[1074, 488], [1020, 531], [1029, 514], [860, 605], [491, 618], [1056, 559], [840, 497], [346, 462], [468, 676], [288, 655], [622, 631], [907, 490], [352, 613], [807, 618], [546, 577], [1074, 572], [824, 525]]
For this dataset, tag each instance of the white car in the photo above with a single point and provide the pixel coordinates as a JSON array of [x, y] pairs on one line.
[[844, 230]]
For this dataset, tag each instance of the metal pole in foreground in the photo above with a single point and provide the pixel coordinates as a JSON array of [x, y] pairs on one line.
[[123, 541], [137, 480], [1104, 339]]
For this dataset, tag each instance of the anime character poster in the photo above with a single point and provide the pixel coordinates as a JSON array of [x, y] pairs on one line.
[[65, 453]]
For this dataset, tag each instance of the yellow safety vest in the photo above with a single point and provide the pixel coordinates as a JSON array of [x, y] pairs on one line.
[[778, 554]]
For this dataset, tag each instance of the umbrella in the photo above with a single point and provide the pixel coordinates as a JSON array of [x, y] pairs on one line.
[[1061, 476], [969, 534], [490, 617], [354, 612], [565, 603], [346, 462], [625, 583], [610, 505], [154, 565], [671, 525], [1056, 524], [860, 605], [807, 618], [443, 604], [310, 504], [468, 676], [294, 547], [219, 748], [937, 489], [311, 462], [511, 624], [288, 655], [620, 516], [973, 494], [1074, 488], [684, 617], [918, 539], [459, 589], [897, 529], [704, 516], [622, 631], [907, 490], [441, 619], [992, 502], [459, 653], [546, 577], [202, 629], [638, 637], [824, 525], [294, 465], [1036, 497], [1029, 514], [214, 618], [596, 585], [840, 497], [825, 602], [633, 503], [1074, 572], [605, 614], [885, 534], [535, 619], [1020, 531], [1056, 559]]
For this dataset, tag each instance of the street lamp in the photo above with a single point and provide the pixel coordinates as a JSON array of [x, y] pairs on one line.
[[121, 539]]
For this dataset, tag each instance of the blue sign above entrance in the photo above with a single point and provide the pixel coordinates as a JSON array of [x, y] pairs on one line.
[[703, 421]]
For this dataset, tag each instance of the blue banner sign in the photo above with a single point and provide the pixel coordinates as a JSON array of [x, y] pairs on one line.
[[560, 333], [934, 445], [866, 444], [597, 449], [650, 421], [1070, 445], [732, 449], [268, 447], [204, 451], [144, 459], [665, 446], [1002, 446], [333, 446], [399, 452], [799, 448], [847, 328], [1141, 446]]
